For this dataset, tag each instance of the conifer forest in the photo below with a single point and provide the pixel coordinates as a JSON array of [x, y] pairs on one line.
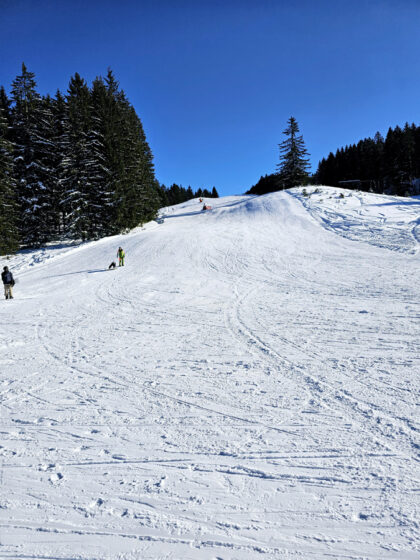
[[76, 165], [389, 165]]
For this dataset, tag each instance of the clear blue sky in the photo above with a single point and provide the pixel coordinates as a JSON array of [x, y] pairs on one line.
[[214, 82]]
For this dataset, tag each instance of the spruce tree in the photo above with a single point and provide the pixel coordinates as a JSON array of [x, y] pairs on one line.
[[9, 236], [77, 159], [31, 168], [5, 108], [59, 112], [47, 154], [137, 192], [294, 164], [101, 187]]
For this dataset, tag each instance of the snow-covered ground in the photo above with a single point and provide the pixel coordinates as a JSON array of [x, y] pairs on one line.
[[245, 387]]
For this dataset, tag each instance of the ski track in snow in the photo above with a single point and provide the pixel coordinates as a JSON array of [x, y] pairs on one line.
[[245, 387]]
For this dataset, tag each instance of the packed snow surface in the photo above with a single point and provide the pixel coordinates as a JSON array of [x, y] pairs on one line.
[[245, 387]]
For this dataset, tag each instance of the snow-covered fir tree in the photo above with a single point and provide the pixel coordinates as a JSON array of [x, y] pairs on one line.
[[100, 185], [107, 120], [58, 109], [294, 163], [136, 191], [81, 156], [31, 166], [48, 157], [9, 236]]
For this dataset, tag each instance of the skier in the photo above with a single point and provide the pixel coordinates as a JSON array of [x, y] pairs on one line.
[[121, 256], [8, 282]]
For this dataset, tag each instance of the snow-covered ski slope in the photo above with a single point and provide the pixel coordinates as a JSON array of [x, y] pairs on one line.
[[245, 387]]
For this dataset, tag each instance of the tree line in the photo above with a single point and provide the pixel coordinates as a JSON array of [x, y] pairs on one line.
[[77, 165], [390, 165], [176, 194], [74, 166]]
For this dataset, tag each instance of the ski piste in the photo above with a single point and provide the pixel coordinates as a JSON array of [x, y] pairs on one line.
[[245, 387]]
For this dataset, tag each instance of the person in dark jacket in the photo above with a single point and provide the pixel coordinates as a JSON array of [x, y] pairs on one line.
[[8, 282]]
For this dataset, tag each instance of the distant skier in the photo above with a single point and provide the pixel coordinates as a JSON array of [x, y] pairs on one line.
[[8, 282], [121, 256]]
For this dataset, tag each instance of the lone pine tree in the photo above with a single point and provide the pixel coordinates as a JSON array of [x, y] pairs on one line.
[[294, 163]]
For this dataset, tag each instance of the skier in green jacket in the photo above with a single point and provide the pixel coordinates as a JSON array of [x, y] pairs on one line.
[[121, 256]]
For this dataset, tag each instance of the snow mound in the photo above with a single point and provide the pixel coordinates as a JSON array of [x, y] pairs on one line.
[[390, 222]]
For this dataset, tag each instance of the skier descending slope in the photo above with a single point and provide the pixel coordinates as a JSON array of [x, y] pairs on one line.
[[121, 256], [8, 282]]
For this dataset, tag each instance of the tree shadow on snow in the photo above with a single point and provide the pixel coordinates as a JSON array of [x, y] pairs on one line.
[[91, 271]]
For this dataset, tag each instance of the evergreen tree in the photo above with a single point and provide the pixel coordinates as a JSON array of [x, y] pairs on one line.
[[136, 191], [30, 168], [82, 159], [8, 208], [112, 124], [214, 193], [407, 164], [59, 114], [294, 164], [265, 184], [163, 196], [5, 108], [417, 152], [378, 162], [47, 156], [175, 194], [75, 154], [101, 202]]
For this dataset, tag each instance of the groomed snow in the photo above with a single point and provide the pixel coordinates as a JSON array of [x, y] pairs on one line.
[[245, 387]]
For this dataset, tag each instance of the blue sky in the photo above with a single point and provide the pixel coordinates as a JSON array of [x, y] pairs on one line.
[[215, 82]]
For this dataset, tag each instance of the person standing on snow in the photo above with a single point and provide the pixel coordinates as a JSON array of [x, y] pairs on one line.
[[8, 282], [121, 256]]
